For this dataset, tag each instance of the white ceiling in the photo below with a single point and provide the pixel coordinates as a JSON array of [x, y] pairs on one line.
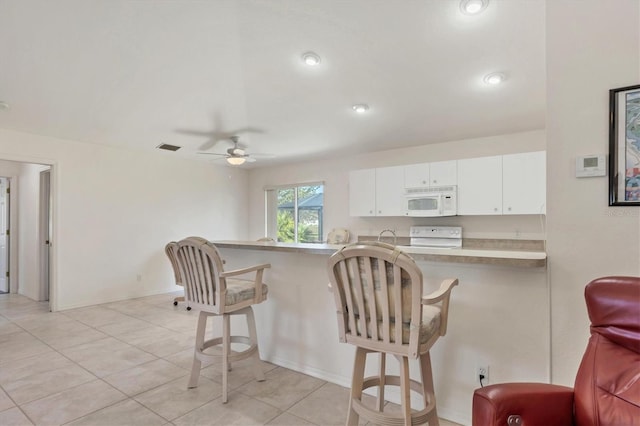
[[138, 73]]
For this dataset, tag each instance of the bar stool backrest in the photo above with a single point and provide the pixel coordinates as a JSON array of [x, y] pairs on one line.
[[378, 295]]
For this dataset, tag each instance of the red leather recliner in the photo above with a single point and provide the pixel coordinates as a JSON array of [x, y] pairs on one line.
[[607, 386]]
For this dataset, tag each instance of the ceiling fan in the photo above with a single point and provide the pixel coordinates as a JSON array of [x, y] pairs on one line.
[[237, 155], [217, 134]]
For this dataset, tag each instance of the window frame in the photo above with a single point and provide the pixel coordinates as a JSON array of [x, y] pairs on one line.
[[271, 209]]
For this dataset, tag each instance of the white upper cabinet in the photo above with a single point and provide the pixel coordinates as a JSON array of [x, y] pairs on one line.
[[416, 175], [502, 184], [480, 186], [390, 198], [362, 192], [524, 183], [377, 192], [440, 173], [443, 173]]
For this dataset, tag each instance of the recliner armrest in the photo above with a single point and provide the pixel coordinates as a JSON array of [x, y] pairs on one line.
[[535, 403]]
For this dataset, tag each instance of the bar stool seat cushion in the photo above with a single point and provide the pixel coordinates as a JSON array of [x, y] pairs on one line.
[[429, 326], [241, 290]]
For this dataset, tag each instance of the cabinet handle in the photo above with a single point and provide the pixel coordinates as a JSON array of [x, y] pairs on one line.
[[424, 182], [509, 208], [495, 209], [435, 181], [379, 211]]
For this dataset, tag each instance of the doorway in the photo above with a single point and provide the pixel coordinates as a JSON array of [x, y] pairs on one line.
[[4, 235], [44, 234]]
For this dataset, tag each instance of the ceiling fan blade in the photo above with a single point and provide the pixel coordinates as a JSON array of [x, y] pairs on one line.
[[193, 132], [213, 153], [247, 129], [250, 159], [208, 145], [262, 155]]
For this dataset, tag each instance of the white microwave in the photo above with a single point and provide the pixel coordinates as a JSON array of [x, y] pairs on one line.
[[431, 201]]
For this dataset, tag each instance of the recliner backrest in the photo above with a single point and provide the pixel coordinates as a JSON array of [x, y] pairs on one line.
[[607, 388]]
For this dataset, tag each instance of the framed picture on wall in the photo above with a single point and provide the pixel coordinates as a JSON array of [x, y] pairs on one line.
[[624, 146]]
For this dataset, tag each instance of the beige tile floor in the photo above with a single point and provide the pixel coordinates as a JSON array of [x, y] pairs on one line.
[[127, 363]]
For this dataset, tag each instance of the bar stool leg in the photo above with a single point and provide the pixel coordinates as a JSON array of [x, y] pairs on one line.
[[405, 388], [356, 384], [197, 364], [428, 388], [226, 347], [253, 338], [382, 375]]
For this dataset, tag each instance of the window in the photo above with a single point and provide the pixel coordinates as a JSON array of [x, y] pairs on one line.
[[294, 213]]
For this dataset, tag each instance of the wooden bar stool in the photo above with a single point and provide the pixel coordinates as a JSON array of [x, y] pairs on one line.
[[380, 308], [215, 292]]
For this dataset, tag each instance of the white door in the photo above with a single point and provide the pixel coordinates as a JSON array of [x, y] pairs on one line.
[[45, 234], [4, 239]]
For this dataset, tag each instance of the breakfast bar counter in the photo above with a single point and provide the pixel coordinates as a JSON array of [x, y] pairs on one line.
[[510, 257]]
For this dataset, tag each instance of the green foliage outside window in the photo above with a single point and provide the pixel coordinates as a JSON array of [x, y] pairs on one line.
[[285, 229], [309, 218]]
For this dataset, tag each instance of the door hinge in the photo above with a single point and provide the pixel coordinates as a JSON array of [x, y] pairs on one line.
[[7, 274], [8, 190], [7, 232]]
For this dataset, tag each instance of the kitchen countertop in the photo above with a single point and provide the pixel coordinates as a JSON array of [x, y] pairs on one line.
[[518, 258]]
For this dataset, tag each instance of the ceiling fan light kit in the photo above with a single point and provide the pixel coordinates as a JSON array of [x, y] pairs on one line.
[[236, 161]]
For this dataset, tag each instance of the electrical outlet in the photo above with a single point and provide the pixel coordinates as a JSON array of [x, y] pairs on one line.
[[482, 375]]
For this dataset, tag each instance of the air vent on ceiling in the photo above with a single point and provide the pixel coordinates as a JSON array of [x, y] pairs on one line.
[[168, 147]]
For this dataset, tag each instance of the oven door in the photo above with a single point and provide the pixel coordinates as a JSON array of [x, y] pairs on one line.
[[424, 205]]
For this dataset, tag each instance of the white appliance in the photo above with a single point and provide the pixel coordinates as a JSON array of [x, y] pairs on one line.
[[436, 236], [431, 201]]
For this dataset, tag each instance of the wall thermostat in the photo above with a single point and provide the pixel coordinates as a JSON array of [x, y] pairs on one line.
[[591, 165]]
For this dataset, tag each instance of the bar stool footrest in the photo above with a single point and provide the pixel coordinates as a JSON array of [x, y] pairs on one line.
[[394, 419], [233, 355]]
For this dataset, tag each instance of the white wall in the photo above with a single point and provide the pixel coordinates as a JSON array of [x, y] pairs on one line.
[[115, 209], [591, 48]]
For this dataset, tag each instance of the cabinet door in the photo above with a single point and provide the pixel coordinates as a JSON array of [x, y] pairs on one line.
[[524, 183], [480, 186], [362, 192], [443, 173], [390, 197], [416, 175]]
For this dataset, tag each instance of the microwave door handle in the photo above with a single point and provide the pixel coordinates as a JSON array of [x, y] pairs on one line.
[[440, 204]]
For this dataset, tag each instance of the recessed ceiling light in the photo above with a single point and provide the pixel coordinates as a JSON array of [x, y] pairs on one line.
[[360, 108], [3, 105], [473, 7], [494, 78], [310, 58]]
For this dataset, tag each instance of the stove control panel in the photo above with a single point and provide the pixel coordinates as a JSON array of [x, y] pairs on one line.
[[436, 236]]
